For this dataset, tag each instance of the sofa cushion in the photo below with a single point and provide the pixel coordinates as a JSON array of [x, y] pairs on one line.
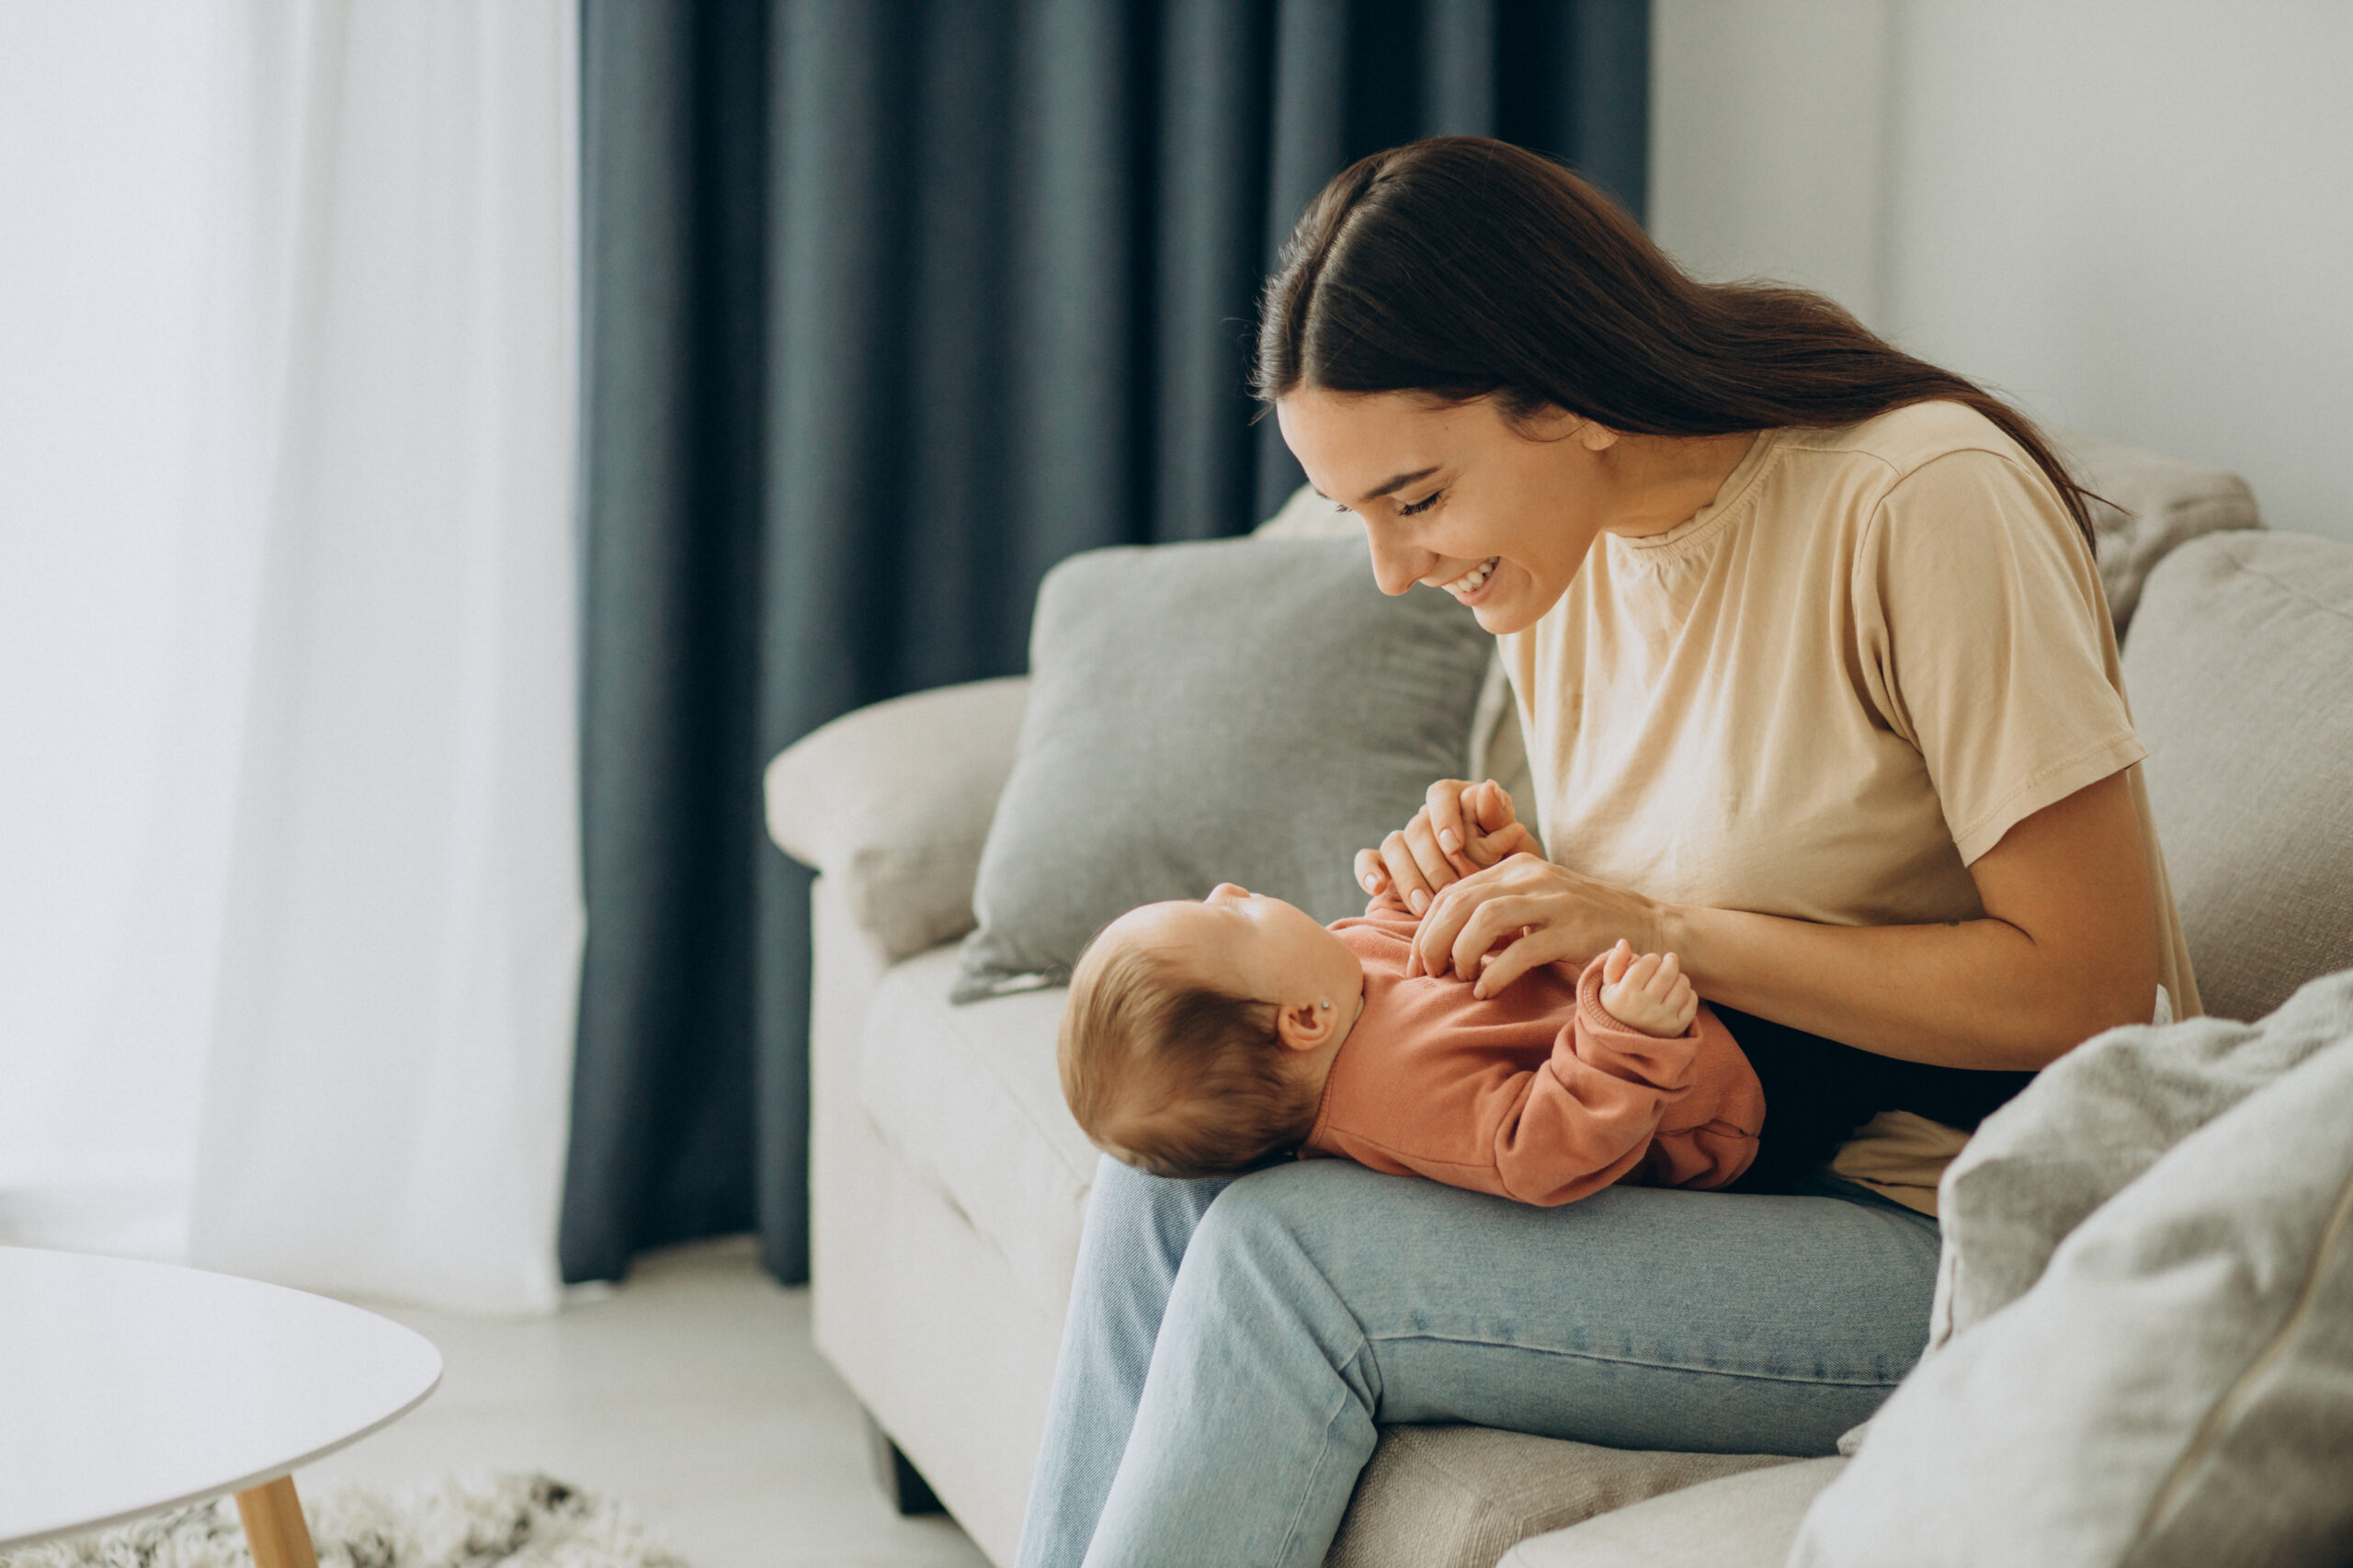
[[1740, 1521], [1458, 1496], [969, 1098], [2240, 668], [1253, 710], [2176, 1389], [2147, 506]]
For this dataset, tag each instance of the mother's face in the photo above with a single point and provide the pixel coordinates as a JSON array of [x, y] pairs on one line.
[[1499, 516]]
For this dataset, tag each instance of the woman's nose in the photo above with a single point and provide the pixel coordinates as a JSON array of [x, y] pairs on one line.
[[1397, 567]]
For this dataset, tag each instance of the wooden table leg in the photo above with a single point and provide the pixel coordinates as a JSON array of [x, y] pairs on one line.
[[273, 1525]]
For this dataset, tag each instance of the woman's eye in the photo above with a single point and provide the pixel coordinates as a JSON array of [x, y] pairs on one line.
[[1412, 508]]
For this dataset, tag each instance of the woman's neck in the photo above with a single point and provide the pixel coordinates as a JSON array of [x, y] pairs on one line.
[[1663, 480]]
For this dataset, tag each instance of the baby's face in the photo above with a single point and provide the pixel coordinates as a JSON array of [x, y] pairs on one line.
[[1247, 944]]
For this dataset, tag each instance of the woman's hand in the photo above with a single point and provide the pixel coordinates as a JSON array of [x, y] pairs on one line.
[[1462, 828], [1539, 912]]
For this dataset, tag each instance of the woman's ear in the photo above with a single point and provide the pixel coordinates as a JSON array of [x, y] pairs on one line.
[[1546, 422], [1553, 423], [1306, 1026]]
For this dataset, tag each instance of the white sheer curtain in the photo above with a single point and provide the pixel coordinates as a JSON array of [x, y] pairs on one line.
[[290, 918]]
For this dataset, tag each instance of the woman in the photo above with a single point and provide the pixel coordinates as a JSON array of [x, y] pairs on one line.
[[1821, 694]]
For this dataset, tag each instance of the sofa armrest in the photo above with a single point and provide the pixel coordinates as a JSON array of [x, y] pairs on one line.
[[893, 803]]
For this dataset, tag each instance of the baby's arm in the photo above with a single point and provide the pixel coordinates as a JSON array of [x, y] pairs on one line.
[[1649, 992]]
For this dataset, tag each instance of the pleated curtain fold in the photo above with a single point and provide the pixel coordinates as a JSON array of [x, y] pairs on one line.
[[887, 308]]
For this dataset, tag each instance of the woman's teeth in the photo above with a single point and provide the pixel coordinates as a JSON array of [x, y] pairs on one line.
[[1470, 581]]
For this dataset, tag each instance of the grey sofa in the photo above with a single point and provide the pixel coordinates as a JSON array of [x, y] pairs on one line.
[[950, 1183]]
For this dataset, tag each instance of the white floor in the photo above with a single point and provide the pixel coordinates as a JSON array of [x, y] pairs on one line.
[[691, 1392]]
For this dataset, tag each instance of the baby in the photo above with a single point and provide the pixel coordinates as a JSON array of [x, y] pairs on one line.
[[1209, 1038]]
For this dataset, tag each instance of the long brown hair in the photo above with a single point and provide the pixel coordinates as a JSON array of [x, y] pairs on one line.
[[1459, 266]]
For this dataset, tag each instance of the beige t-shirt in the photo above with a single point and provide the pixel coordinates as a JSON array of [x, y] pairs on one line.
[[1831, 689]]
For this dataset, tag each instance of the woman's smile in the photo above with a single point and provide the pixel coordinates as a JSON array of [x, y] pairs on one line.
[[1473, 586]]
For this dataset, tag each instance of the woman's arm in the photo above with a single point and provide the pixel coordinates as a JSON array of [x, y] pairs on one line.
[[2067, 945]]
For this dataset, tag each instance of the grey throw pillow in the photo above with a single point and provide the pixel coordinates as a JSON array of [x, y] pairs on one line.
[[2175, 1386], [1246, 710]]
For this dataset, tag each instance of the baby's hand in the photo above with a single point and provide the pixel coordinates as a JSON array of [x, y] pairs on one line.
[[1648, 993], [1479, 831], [1496, 833]]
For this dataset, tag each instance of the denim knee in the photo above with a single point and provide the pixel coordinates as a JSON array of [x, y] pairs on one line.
[[1258, 1229], [1252, 1291], [1144, 1223]]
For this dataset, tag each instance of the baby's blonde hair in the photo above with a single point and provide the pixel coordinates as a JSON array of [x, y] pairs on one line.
[[1208, 1070]]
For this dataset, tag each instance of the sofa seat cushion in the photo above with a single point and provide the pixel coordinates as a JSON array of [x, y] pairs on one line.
[[1461, 1496], [1739, 1521], [968, 1098]]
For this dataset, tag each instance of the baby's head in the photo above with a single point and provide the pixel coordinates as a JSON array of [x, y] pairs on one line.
[[1198, 1036]]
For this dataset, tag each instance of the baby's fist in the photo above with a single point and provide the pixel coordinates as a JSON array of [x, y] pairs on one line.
[[1496, 833], [1647, 992]]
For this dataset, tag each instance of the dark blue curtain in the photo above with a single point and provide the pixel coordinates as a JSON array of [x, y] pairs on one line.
[[888, 307]]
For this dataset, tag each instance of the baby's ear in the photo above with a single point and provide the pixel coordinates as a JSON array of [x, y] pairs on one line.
[[1304, 1026]]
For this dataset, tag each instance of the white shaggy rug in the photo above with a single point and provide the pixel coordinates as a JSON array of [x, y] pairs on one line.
[[480, 1521]]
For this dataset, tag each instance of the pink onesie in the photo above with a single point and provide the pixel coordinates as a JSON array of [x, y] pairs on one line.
[[1535, 1095]]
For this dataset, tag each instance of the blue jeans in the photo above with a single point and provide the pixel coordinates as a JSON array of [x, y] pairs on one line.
[[1232, 1345]]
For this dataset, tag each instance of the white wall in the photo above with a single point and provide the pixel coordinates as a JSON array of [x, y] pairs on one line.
[[1768, 142], [2134, 216]]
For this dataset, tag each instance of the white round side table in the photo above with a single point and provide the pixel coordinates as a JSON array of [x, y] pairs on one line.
[[126, 1388]]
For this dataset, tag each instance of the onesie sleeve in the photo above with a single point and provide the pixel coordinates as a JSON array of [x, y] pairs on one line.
[[1585, 1119], [1985, 640], [1605, 1106]]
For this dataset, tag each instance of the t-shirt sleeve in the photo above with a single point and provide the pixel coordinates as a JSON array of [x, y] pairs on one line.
[[1985, 642]]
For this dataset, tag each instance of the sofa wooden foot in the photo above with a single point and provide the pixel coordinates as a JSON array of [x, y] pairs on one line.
[[901, 1482]]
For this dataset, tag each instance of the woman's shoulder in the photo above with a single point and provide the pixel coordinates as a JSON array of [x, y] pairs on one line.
[[1900, 442]]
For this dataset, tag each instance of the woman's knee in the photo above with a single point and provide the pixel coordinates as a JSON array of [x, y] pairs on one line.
[[1267, 1224], [1124, 1190], [1252, 1292], [1140, 1225]]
